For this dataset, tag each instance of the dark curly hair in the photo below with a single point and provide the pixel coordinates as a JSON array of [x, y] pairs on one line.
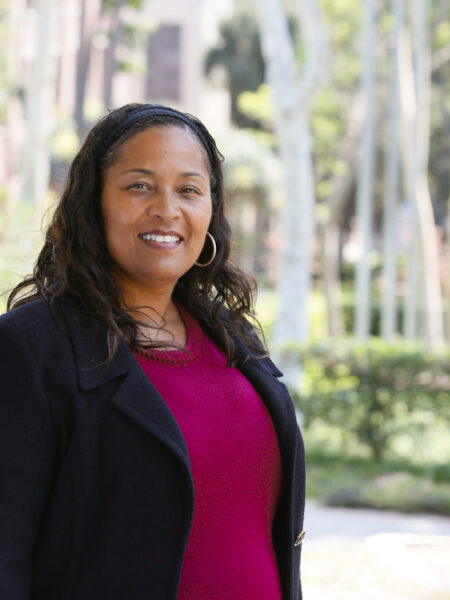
[[74, 262]]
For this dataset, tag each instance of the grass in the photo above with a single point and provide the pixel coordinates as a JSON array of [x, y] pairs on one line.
[[339, 480]]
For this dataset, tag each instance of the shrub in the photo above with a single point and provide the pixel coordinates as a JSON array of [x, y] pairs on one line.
[[375, 391]]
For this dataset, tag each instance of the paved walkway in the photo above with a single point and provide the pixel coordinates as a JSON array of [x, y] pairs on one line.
[[371, 555]]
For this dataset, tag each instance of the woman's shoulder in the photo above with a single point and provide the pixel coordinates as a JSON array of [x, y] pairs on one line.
[[30, 315], [36, 322]]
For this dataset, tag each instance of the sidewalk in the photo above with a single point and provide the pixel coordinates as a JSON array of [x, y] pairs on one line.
[[355, 554]]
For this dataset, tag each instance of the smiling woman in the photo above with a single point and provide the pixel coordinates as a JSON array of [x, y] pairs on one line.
[[147, 447]]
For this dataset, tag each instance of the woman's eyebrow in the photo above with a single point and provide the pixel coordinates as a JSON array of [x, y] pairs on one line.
[[139, 170], [192, 174], [150, 172]]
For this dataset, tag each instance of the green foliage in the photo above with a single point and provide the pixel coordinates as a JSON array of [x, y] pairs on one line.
[[258, 105], [332, 103], [135, 28], [373, 392], [240, 54], [65, 141], [348, 313], [443, 34], [113, 5], [251, 167], [343, 19], [251, 172]]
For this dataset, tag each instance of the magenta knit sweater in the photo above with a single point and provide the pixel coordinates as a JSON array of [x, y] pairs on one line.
[[236, 469]]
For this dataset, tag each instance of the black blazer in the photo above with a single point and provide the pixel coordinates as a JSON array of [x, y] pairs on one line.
[[96, 493]]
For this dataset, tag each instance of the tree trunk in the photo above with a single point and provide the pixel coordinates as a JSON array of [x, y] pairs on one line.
[[365, 178], [408, 112], [446, 278], [331, 277], [295, 282], [434, 330], [293, 98], [115, 32], [90, 11], [341, 187], [39, 102], [9, 138], [424, 262], [391, 189]]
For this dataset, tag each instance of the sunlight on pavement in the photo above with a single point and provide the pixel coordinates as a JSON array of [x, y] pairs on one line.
[[367, 555], [354, 572]]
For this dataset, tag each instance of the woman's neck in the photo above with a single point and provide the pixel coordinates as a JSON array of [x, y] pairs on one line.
[[158, 318]]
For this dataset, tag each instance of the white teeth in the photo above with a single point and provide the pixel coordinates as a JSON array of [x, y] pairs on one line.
[[162, 239]]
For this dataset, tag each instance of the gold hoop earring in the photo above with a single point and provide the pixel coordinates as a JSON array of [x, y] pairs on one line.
[[213, 242]]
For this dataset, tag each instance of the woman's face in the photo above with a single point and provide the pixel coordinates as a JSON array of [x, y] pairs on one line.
[[156, 204]]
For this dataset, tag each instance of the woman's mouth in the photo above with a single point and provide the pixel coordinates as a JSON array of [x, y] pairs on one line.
[[160, 240]]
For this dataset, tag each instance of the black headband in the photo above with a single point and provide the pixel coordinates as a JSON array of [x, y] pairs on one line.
[[155, 110]]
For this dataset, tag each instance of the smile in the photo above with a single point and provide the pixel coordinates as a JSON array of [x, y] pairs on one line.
[[160, 239]]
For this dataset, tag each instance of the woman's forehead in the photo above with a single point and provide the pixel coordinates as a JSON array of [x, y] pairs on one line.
[[176, 142]]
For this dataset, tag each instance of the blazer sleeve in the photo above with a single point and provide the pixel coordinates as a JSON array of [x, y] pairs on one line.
[[27, 460]]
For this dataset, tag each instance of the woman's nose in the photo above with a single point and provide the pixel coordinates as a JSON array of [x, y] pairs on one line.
[[164, 205]]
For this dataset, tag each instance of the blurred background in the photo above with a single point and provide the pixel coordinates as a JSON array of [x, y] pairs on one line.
[[334, 120]]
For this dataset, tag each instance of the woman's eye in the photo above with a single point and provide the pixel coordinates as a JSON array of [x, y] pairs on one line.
[[190, 190], [137, 186]]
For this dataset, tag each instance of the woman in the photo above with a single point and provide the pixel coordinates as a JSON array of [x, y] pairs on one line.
[[148, 449]]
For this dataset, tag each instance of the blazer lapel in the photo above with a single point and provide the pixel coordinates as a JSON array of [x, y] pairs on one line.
[[139, 400], [135, 396], [263, 374]]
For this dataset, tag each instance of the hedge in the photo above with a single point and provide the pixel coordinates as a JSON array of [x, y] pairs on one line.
[[372, 389]]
